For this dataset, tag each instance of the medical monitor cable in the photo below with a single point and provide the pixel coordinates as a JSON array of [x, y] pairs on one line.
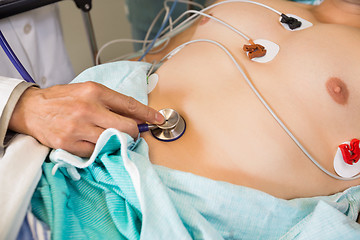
[[14, 60], [287, 20], [159, 32], [166, 9], [221, 22], [195, 12], [262, 100], [116, 41], [152, 42], [161, 41], [133, 40], [250, 48], [150, 29], [253, 48], [167, 13]]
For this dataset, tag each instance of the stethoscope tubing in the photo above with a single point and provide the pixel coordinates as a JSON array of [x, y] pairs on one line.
[[14, 60], [146, 127]]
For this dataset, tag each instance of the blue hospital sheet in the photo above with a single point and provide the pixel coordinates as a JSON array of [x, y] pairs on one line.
[[121, 195]]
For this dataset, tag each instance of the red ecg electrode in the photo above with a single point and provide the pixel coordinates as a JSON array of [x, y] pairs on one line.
[[351, 152]]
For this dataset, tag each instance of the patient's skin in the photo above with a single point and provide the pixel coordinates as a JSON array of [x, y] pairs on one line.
[[230, 135]]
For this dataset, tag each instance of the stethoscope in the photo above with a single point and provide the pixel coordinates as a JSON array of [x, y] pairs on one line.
[[172, 129], [14, 60]]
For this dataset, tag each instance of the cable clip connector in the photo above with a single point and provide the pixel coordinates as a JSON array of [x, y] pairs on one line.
[[292, 22], [254, 50]]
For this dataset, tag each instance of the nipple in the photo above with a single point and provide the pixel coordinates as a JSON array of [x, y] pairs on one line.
[[204, 20], [338, 91]]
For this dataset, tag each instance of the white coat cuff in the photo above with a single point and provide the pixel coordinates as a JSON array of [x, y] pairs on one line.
[[10, 91]]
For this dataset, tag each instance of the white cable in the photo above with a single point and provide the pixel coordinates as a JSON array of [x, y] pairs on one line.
[[167, 9], [152, 26], [220, 3], [220, 21], [181, 24], [128, 40], [133, 55], [302, 148], [112, 42], [124, 57], [171, 23], [162, 47], [188, 2]]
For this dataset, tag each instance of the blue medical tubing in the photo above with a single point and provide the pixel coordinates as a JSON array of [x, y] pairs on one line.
[[14, 60], [160, 30]]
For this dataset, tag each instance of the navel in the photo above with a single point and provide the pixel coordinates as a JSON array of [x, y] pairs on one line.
[[337, 90]]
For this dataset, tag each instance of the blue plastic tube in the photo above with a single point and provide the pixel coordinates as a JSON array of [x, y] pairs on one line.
[[14, 60], [160, 30]]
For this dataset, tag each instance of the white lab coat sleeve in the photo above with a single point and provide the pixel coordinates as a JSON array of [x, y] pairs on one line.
[[36, 38], [10, 91], [20, 171]]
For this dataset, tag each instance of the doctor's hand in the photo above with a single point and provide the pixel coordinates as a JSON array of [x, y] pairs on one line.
[[72, 117]]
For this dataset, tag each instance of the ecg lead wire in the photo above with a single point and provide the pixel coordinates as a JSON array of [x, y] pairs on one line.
[[263, 101]]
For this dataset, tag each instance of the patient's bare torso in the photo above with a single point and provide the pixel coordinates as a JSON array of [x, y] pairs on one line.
[[230, 135]]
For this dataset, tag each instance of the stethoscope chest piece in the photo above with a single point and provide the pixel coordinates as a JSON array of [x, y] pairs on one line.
[[173, 128]]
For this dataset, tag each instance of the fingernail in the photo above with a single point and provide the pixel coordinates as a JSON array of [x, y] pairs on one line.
[[159, 118]]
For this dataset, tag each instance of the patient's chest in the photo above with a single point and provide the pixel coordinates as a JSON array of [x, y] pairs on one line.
[[230, 135]]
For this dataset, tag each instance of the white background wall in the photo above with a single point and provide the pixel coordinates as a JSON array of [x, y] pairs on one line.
[[109, 21]]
